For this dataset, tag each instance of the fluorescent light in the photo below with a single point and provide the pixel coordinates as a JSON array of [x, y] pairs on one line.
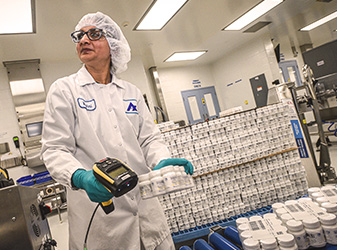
[[16, 17], [185, 56], [25, 87], [159, 13], [320, 22], [259, 10]]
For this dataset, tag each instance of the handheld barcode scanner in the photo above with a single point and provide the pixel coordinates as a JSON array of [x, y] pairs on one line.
[[116, 176]]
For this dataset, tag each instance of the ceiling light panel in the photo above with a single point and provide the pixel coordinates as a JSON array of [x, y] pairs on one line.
[[159, 13], [185, 56], [250, 16], [320, 22], [16, 17]]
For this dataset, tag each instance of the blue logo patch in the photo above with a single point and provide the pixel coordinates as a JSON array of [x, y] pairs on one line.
[[131, 106], [88, 105]]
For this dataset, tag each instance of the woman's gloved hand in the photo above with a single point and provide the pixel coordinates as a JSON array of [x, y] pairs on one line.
[[95, 190], [176, 162]]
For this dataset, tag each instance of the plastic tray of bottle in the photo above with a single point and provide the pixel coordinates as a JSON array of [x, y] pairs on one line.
[[200, 231]]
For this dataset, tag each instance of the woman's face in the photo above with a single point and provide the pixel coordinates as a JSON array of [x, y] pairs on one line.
[[94, 53]]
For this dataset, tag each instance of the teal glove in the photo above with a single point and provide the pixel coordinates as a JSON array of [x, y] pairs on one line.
[[176, 162], [95, 190]]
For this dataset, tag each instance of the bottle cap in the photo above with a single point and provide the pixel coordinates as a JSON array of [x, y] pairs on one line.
[[286, 240], [300, 200], [322, 200], [251, 243], [281, 211], [154, 173], [328, 219], [311, 222], [243, 227], [269, 243], [246, 235], [276, 206], [317, 195], [330, 207], [269, 216], [242, 220], [313, 190], [144, 177], [294, 225], [286, 217], [290, 202], [255, 218]]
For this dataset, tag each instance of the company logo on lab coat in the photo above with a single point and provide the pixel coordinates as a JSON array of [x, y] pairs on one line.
[[88, 105], [131, 106]]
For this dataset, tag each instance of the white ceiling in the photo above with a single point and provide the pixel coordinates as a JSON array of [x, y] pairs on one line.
[[197, 26]]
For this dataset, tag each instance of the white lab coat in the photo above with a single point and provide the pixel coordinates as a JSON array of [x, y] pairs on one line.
[[85, 122]]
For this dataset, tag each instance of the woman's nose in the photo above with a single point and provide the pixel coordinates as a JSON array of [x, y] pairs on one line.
[[85, 39]]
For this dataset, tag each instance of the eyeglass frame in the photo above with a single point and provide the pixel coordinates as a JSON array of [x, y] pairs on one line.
[[102, 32]]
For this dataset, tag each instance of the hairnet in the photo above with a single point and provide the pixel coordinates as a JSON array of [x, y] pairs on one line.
[[119, 47]]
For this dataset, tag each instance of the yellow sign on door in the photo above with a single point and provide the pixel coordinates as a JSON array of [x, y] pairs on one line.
[[203, 100]]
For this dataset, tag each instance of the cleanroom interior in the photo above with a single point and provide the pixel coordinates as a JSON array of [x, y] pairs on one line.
[[231, 60]]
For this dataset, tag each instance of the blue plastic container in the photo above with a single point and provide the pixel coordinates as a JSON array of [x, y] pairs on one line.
[[26, 181], [232, 234], [42, 177], [185, 248], [202, 245], [220, 242]]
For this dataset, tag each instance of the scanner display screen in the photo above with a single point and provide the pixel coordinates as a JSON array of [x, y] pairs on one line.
[[114, 173]]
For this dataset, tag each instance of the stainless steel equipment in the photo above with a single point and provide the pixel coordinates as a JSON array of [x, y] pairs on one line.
[[23, 226]]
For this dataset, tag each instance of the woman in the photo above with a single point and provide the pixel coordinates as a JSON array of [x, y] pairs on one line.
[[91, 115]]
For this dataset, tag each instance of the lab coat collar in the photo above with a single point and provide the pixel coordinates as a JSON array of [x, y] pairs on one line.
[[84, 78]]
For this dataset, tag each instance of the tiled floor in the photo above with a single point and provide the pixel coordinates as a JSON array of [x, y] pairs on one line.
[[59, 229]]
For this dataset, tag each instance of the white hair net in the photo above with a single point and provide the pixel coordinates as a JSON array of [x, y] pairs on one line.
[[119, 47]]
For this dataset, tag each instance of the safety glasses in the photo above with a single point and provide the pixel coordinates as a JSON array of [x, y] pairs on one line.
[[93, 35]]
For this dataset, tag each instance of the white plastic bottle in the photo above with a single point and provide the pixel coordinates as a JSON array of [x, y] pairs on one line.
[[287, 242], [317, 195], [251, 244], [180, 178], [245, 235], [329, 225], [313, 190], [314, 231], [145, 186], [242, 220], [296, 228], [188, 179], [280, 211], [285, 218], [169, 177], [269, 244], [243, 227], [157, 183], [330, 207]]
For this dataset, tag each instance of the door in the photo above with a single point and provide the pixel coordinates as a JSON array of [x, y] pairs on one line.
[[260, 90], [200, 104]]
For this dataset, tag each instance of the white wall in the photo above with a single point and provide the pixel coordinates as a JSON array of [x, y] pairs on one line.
[[175, 80], [232, 73]]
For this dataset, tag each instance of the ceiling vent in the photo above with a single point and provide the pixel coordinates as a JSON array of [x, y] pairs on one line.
[[256, 27], [324, 1]]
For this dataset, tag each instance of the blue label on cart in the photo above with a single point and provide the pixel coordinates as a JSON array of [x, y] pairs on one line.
[[299, 139]]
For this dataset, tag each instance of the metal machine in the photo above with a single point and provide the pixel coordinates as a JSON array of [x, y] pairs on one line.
[[23, 222], [308, 100]]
